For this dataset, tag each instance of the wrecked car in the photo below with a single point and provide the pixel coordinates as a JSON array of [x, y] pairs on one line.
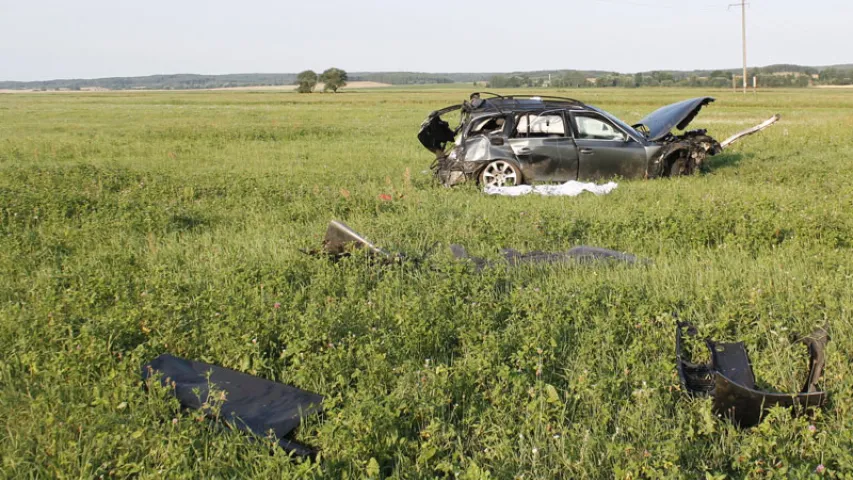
[[512, 140]]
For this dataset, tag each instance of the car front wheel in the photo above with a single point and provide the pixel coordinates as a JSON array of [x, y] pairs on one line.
[[500, 173], [680, 165]]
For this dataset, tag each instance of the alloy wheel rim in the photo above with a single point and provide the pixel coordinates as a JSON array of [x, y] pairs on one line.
[[500, 174]]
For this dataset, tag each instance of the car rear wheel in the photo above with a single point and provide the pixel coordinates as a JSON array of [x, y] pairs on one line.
[[500, 173]]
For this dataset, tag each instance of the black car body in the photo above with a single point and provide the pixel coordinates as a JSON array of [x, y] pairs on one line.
[[508, 140]]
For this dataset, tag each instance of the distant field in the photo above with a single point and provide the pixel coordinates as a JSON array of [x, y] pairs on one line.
[[133, 224]]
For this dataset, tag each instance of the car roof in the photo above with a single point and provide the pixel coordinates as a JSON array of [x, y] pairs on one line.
[[514, 103]]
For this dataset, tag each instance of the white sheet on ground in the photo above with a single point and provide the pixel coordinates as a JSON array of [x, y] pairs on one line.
[[569, 189]]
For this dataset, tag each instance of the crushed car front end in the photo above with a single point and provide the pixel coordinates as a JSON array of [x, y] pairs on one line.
[[681, 154]]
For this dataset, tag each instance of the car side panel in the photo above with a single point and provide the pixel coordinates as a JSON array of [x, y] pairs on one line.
[[546, 159], [602, 159], [479, 148], [606, 158]]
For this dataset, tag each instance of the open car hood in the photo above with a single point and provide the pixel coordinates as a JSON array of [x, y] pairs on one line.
[[678, 115]]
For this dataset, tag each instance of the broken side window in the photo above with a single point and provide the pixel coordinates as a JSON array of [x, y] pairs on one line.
[[487, 126], [539, 125]]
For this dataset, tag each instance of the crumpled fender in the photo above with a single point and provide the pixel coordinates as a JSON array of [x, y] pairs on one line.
[[692, 149]]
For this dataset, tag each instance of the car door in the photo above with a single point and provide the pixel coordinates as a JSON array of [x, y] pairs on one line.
[[543, 144], [605, 150]]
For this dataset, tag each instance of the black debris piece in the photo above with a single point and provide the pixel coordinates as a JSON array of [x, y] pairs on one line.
[[251, 404], [729, 379], [580, 254], [341, 240]]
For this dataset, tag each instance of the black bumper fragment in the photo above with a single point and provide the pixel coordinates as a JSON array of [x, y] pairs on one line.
[[251, 404], [729, 379]]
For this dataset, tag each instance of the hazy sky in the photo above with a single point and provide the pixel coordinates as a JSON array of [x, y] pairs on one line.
[[50, 39]]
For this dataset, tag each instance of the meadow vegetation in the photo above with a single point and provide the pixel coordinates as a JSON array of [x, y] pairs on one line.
[[133, 224]]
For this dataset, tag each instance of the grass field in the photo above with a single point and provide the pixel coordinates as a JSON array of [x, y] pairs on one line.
[[133, 224]]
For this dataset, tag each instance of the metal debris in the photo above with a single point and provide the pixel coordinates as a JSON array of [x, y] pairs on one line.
[[340, 241], [729, 379], [581, 254], [244, 402], [749, 131]]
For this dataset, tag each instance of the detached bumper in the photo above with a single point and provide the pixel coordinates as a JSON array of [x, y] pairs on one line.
[[729, 379]]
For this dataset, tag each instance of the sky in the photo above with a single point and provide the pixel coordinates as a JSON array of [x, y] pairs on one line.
[[50, 39]]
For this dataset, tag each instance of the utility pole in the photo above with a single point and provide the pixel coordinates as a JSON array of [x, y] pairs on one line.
[[742, 5]]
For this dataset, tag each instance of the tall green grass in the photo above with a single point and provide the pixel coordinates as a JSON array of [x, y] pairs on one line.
[[133, 224]]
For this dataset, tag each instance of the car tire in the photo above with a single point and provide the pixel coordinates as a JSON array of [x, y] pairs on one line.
[[678, 165], [500, 173]]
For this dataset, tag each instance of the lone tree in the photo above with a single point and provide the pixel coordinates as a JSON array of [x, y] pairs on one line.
[[306, 80], [333, 79]]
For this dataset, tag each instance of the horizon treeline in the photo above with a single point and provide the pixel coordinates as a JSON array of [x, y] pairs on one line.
[[783, 75]]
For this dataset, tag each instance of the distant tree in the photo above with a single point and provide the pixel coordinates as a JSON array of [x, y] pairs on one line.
[[498, 81], [333, 79], [574, 79], [625, 81], [306, 81], [638, 79]]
